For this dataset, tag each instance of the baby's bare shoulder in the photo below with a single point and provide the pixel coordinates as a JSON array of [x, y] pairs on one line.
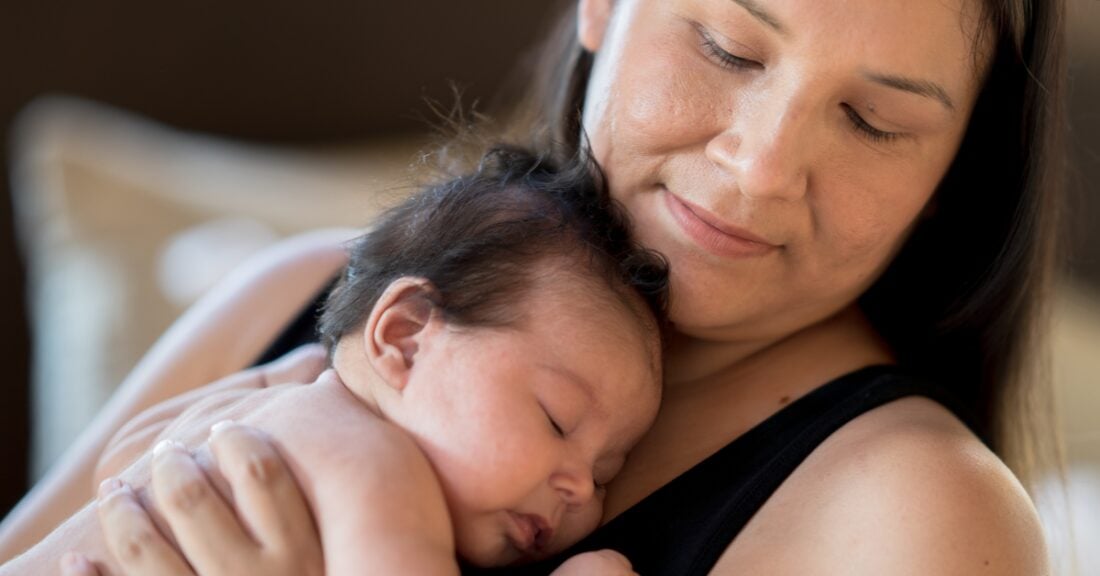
[[331, 434], [904, 489], [354, 466]]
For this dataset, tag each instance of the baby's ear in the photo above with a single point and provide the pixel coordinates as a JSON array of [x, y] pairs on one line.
[[396, 328]]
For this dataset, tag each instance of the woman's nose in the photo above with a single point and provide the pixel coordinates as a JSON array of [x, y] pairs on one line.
[[574, 484], [764, 149]]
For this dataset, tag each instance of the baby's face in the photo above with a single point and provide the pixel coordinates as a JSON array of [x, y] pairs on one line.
[[525, 425]]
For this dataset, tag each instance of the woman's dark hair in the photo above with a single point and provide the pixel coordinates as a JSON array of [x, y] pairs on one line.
[[479, 239], [965, 302]]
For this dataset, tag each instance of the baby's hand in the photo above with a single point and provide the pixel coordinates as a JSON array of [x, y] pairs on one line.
[[605, 562]]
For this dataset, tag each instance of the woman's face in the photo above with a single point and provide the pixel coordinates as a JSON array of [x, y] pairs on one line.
[[776, 151]]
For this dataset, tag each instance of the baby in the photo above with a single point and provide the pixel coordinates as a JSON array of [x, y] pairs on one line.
[[495, 352]]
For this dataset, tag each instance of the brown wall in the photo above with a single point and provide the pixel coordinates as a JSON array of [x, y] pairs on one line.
[[1084, 167]]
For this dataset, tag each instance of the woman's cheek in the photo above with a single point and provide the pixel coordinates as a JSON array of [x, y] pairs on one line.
[[860, 241], [668, 107]]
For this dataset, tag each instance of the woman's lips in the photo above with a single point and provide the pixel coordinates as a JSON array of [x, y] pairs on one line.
[[712, 235]]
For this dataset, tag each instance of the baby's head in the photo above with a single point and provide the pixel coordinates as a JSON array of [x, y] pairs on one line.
[[508, 322]]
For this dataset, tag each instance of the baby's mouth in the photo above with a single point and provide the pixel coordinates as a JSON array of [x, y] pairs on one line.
[[545, 534], [531, 534]]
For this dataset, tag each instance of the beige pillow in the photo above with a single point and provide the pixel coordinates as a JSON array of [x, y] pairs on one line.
[[124, 222]]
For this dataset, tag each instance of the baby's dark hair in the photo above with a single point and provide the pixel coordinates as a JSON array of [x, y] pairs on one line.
[[478, 239]]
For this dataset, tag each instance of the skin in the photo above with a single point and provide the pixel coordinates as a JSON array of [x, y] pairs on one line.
[[516, 422], [488, 428], [774, 149], [771, 147]]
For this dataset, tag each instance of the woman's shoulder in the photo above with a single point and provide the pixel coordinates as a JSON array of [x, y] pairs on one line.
[[905, 488], [239, 316], [308, 259], [229, 327]]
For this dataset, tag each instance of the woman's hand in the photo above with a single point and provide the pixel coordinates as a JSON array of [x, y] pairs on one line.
[[270, 532], [137, 436], [598, 563]]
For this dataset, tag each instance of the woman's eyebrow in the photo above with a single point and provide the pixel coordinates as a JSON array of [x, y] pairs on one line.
[[758, 12], [925, 88]]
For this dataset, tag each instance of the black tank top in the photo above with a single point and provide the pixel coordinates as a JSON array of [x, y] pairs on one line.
[[683, 527]]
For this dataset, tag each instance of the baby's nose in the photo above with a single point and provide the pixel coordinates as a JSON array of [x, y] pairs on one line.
[[575, 487]]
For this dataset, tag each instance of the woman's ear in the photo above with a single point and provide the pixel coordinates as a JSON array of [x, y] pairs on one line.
[[397, 327], [592, 20]]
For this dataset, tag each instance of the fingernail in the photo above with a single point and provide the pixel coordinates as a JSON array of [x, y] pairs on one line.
[[166, 445], [109, 485], [220, 427]]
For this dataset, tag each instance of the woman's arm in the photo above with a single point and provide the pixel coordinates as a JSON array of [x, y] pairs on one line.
[[221, 334], [905, 489], [138, 435], [269, 530]]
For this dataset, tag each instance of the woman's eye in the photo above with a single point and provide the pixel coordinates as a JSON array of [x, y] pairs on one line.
[[866, 130], [721, 56]]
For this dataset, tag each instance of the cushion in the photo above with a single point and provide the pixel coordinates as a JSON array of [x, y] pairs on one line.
[[125, 222]]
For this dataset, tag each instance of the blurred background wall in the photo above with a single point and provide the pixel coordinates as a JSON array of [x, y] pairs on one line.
[[1084, 160], [276, 71], [316, 75]]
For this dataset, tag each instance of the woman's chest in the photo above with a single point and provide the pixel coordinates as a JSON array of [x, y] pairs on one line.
[[690, 428]]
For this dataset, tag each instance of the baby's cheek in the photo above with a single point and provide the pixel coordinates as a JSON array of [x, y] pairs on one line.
[[480, 541], [576, 525]]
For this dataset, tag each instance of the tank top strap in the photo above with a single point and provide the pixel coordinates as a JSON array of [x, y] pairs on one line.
[[744, 474]]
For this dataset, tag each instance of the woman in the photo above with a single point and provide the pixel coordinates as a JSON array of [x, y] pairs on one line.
[[857, 201]]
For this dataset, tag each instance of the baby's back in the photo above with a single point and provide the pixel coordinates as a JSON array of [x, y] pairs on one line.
[[360, 474]]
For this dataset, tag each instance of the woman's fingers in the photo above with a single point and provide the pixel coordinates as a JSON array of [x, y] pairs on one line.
[[267, 497], [74, 564], [204, 525], [132, 537], [274, 533], [605, 562]]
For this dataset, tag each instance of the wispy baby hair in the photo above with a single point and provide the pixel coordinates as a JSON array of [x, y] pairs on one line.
[[478, 239]]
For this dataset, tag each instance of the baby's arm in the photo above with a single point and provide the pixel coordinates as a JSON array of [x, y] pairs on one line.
[[381, 511], [378, 505], [79, 532]]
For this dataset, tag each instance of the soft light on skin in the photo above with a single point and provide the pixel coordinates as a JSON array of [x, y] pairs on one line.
[[484, 404], [827, 140]]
